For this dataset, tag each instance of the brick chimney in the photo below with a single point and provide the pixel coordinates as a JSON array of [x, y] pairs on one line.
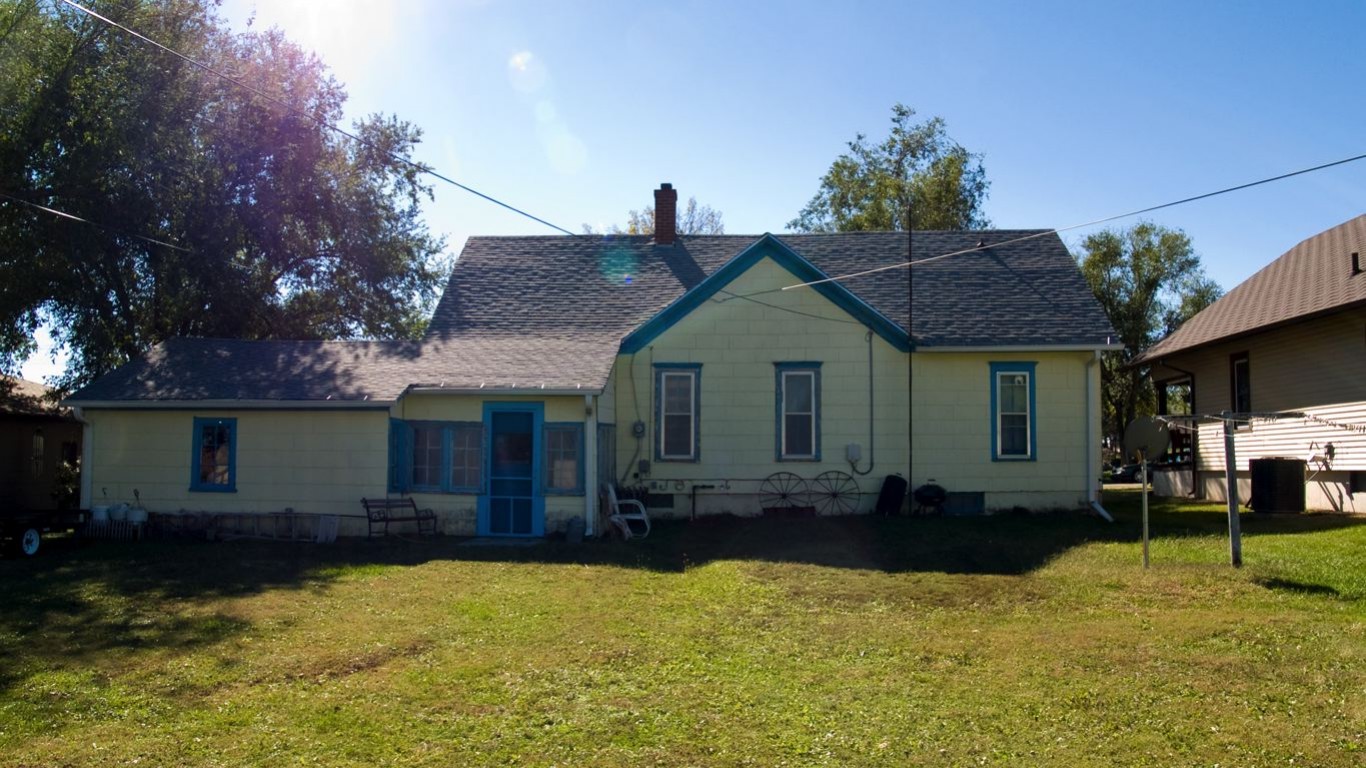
[[666, 214]]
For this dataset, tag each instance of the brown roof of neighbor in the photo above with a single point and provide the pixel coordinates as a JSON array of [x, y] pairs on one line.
[[21, 396], [1312, 278]]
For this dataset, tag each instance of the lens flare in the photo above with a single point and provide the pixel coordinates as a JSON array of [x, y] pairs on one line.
[[616, 263]]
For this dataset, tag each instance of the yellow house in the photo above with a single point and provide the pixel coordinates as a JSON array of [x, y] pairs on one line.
[[1005, 395], [681, 369]]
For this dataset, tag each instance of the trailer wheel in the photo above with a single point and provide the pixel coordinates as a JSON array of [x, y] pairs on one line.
[[29, 542]]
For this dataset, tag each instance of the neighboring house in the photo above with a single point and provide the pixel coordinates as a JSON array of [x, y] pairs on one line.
[[675, 365], [1288, 339], [36, 439]]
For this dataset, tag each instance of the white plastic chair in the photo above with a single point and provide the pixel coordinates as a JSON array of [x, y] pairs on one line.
[[620, 513]]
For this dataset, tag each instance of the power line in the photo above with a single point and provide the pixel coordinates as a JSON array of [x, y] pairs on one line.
[[1046, 232], [747, 297], [73, 217], [316, 120]]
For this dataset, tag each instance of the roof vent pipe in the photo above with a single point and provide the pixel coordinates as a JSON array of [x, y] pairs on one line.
[[666, 214], [1356, 263]]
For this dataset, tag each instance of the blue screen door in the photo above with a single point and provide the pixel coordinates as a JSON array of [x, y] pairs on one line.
[[513, 504]]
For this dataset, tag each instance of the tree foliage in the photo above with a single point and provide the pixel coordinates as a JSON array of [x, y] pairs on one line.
[[693, 219], [1149, 280], [917, 171], [289, 230]]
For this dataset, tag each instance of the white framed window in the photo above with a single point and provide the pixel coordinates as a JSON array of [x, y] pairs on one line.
[[799, 411], [1013, 419], [563, 464], [677, 411]]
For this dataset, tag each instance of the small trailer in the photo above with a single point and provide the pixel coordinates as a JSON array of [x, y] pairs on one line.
[[22, 531]]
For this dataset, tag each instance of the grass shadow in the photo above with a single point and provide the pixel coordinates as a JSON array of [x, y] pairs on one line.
[[1300, 587], [112, 596]]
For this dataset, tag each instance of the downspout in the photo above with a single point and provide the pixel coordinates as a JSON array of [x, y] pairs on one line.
[[1092, 430], [590, 464], [87, 458], [871, 423]]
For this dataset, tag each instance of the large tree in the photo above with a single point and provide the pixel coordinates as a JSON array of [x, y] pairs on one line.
[[917, 175], [1149, 280], [694, 219], [288, 230]]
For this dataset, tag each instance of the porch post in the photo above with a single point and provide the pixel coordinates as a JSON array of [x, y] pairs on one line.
[[87, 460]]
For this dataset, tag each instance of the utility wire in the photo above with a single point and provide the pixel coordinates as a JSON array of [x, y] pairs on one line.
[[1046, 232], [316, 120], [73, 217], [748, 297]]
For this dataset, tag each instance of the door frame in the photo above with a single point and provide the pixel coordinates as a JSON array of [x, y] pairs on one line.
[[483, 524]]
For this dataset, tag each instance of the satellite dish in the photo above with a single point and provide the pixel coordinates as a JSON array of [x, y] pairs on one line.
[[1146, 436]]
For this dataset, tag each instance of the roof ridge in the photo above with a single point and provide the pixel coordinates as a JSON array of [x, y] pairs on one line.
[[287, 341], [757, 235]]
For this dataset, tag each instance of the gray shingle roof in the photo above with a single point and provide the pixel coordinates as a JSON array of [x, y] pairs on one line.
[[340, 371], [515, 285], [1029, 293], [1312, 278], [551, 312]]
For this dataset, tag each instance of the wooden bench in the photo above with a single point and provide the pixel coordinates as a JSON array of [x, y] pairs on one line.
[[381, 512]]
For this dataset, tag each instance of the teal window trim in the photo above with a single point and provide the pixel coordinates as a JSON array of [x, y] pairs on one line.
[[195, 483], [780, 377], [562, 426], [400, 456], [666, 369], [447, 484], [997, 370]]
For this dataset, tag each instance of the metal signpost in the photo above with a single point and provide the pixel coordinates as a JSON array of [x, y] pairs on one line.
[[1235, 531]]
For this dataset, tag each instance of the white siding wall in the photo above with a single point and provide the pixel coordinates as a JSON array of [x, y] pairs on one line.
[[1317, 367]]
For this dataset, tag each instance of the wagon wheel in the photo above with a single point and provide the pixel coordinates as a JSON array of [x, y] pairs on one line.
[[834, 493], [28, 542], [783, 490]]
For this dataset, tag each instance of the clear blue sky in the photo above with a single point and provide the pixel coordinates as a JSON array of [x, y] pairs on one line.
[[576, 111]]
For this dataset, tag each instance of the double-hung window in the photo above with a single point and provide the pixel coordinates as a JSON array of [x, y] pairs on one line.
[[213, 463], [564, 458], [677, 411], [1013, 420], [799, 411]]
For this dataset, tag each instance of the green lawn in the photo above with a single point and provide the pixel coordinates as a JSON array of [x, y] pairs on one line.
[[1011, 640]]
